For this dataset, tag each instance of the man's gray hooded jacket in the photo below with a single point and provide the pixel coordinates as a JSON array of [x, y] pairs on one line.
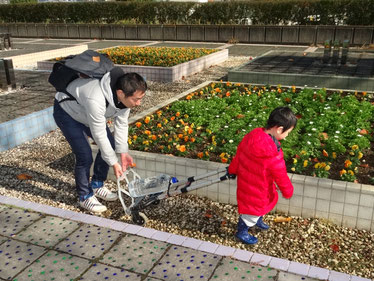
[[90, 109]]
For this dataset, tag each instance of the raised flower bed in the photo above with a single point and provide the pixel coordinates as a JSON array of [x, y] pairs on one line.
[[161, 64], [209, 121]]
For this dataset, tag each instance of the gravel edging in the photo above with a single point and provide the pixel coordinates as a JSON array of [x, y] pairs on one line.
[[49, 162]]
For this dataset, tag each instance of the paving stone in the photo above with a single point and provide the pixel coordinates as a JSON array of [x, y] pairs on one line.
[[285, 276], [230, 270], [100, 271], [48, 231], [3, 207], [88, 241], [55, 266], [2, 239], [13, 220], [135, 253], [181, 263], [15, 256]]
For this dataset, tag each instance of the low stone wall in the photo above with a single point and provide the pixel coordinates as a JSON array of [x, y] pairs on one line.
[[31, 60], [299, 35], [343, 203], [165, 74]]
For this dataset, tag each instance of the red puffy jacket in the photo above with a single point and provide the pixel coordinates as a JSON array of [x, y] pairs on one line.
[[258, 165]]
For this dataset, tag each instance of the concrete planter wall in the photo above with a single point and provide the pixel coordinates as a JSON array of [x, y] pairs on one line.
[[300, 35], [165, 74], [31, 60], [343, 203]]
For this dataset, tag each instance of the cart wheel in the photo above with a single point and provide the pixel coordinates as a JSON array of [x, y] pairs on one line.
[[139, 218], [156, 202]]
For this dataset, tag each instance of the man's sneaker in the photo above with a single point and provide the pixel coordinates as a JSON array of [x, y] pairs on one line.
[[93, 205], [105, 194]]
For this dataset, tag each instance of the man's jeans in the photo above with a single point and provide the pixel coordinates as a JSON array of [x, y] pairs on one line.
[[76, 134]]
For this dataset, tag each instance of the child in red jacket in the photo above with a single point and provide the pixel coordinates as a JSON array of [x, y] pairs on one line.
[[258, 165]]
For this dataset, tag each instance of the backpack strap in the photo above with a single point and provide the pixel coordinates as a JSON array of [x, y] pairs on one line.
[[70, 97]]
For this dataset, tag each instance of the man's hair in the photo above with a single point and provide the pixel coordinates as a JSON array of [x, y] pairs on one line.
[[131, 82], [282, 117]]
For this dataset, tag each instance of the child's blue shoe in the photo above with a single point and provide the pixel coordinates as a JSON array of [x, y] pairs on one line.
[[260, 224], [243, 234]]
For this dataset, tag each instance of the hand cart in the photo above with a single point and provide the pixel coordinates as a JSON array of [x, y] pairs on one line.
[[149, 191]]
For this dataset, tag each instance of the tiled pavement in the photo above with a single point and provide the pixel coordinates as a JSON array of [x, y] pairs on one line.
[[39, 242]]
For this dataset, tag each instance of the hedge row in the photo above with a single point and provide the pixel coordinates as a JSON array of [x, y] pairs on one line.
[[302, 12]]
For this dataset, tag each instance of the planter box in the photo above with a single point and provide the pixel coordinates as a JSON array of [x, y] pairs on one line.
[[165, 74], [343, 203], [32, 59]]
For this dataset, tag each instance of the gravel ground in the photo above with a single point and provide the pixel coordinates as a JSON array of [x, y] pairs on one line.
[[49, 163]]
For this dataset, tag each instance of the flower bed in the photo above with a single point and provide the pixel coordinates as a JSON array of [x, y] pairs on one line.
[[332, 138], [161, 64]]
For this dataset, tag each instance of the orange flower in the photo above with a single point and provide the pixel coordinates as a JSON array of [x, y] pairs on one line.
[[159, 125], [347, 163], [293, 89], [227, 94], [188, 97], [342, 172], [190, 130], [363, 132], [224, 160], [177, 114], [182, 148], [200, 155], [180, 136], [154, 137], [147, 119], [287, 99], [192, 139], [325, 153], [218, 90], [172, 118], [279, 90], [159, 113], [138, 124], [147, 132], [186, 138]]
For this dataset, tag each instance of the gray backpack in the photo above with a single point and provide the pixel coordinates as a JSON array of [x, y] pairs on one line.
[[89, 64]]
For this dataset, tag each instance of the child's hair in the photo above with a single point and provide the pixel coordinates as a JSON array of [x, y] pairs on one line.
[[282, 117]]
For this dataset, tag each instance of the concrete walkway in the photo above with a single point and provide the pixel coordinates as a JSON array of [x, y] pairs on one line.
[[39, 242]]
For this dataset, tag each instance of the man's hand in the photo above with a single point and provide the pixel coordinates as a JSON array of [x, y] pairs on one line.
[[117, 170], [126, 161]]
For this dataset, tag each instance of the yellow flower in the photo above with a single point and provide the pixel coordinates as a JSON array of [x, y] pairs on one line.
[[303, 152], [327, 168], [351, 172], [334, 155], [317, 165], [305, 163], [294, 160], [293, 169], [354, 147], [359, 156]]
